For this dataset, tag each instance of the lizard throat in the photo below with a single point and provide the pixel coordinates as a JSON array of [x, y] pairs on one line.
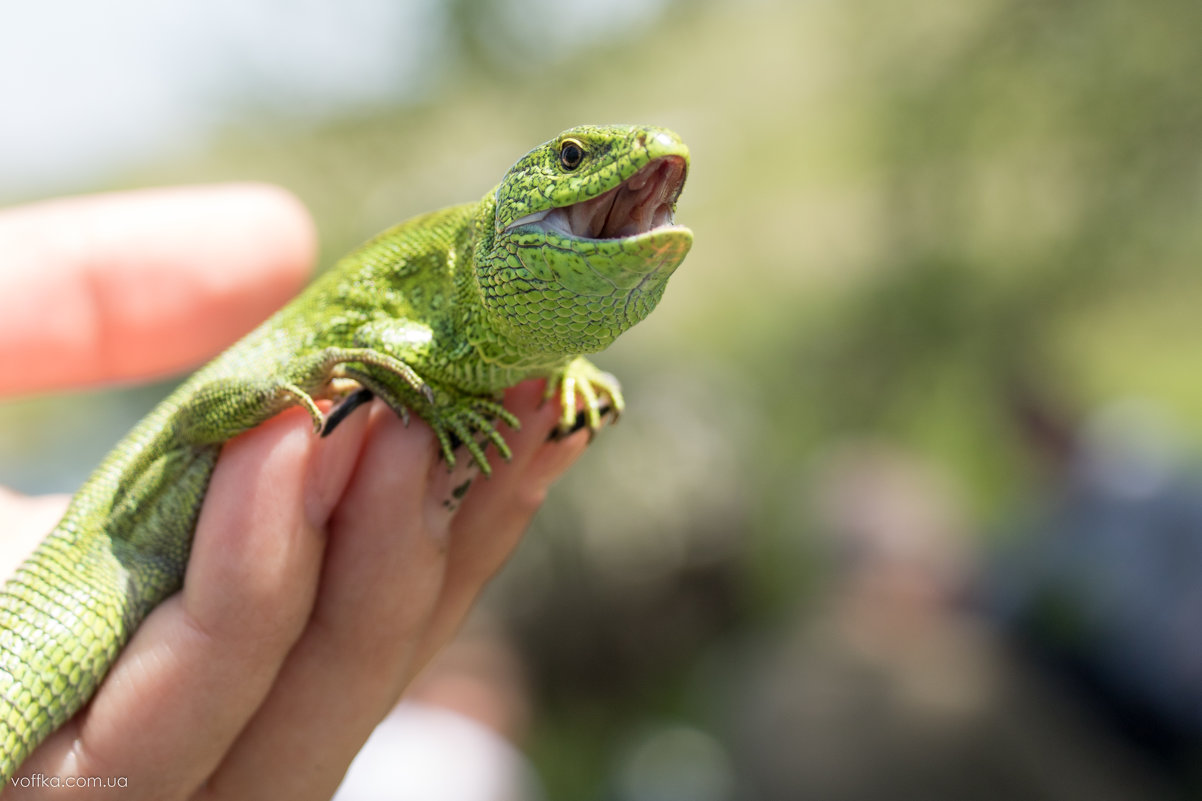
[[641, 203]]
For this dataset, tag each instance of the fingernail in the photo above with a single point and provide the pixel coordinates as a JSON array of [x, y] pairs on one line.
[[552, 461]]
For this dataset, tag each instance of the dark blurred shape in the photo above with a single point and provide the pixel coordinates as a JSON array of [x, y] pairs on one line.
[[891, 689], [1104, 585]]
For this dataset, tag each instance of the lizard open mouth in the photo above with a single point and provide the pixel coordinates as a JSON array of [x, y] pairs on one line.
[[641, 203]]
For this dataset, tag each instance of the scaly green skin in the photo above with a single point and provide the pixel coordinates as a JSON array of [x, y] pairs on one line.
[[436, 315]]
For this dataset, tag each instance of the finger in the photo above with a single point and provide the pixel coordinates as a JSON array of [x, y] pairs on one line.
[[136, 284], [497, 512], [200, 665], [381, 577]]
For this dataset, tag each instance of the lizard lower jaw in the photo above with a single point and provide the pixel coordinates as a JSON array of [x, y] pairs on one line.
[[641, 203]]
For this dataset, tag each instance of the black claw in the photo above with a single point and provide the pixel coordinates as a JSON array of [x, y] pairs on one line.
[[581, 422], [348, 404]]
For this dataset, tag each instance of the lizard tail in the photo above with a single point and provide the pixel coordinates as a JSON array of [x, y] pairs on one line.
[[62, 623], [71, 607]]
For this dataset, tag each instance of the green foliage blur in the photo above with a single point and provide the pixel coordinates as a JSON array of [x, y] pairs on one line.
[[910, 219]]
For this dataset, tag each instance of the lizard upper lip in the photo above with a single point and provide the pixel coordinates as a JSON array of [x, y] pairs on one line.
[[639, 204]]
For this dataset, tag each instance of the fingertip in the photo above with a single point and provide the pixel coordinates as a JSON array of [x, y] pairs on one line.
[[538, 418], [137, 284], [282, 228], [550, 463]]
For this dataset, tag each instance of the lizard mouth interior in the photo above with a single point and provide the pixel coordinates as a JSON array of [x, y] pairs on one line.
[[641, 203]]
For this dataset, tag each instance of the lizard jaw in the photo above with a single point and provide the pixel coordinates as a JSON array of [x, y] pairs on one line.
[[641, 203]]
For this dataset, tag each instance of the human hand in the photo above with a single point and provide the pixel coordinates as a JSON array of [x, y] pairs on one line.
[[324, 572]]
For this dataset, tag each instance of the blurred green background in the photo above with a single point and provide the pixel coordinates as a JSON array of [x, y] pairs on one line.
[[931, 240]]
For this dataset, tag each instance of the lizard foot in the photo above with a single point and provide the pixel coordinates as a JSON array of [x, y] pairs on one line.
[[581, 382], [468, 420]]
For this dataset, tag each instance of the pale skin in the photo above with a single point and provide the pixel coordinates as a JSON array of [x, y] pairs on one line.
[[308, 605]]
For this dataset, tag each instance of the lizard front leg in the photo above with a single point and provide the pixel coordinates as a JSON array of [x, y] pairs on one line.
[[456, 416]]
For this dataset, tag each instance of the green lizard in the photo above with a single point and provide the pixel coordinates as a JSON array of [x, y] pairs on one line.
[[435, 316]]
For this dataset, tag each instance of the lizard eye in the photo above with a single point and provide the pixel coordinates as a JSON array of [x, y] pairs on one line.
[[571, 153]]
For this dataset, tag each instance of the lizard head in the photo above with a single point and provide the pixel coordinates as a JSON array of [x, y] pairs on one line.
[[583, 239]]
